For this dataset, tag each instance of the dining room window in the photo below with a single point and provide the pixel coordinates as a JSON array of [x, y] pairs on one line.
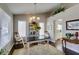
[[22, 28], [5, 21]]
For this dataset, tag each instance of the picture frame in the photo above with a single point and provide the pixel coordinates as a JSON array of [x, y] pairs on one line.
[[72, 24]]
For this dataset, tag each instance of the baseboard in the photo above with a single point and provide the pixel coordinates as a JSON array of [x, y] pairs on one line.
[[15, 47], [12, 50]]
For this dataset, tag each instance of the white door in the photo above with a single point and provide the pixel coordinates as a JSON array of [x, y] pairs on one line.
[[50, 29]]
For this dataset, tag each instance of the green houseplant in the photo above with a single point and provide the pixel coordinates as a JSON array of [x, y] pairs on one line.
[[1, 51], [69, 35]]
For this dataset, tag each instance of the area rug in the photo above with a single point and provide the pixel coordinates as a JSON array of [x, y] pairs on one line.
[[41, 49]]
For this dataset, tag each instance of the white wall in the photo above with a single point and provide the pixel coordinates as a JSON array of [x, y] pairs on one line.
[[6, 9], [54, 21], [69, 14], [8, 12], [26, 18]]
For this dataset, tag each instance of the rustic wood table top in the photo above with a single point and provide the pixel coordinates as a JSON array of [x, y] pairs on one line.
[[75, 41]]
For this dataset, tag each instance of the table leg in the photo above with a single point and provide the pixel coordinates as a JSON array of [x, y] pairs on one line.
[[65, 46], [28, 47], [47, 41]]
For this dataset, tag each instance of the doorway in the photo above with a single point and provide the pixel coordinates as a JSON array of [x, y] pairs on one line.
[[41, 31]]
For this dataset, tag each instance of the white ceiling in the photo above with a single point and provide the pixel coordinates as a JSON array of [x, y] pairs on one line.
[[28, 8]]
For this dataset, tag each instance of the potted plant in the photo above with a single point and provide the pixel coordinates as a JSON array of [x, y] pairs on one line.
[[2, 52], [69, 35]]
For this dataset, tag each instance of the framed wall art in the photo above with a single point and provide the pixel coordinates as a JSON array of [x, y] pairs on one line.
[[72, 24]]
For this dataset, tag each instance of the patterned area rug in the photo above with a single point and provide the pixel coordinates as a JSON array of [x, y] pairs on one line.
[[41, 49]]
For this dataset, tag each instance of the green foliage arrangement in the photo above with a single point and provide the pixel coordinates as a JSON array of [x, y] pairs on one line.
[[69, 35], [35, 26], [1, 51], [58, 10]]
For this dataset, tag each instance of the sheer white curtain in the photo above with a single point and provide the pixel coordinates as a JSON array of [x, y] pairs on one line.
[[41, 31], [22, 28]]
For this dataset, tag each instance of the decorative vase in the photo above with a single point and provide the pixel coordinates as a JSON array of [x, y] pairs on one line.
[[76, 35]]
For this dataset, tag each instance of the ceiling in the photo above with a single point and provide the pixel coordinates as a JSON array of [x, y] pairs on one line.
[[29, 8]]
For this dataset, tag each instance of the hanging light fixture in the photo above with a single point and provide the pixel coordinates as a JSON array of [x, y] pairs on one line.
[[34, 17]]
